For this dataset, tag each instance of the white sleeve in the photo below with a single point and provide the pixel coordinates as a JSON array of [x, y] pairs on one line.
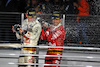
[[18, 36], [24, 24], [36, 30]]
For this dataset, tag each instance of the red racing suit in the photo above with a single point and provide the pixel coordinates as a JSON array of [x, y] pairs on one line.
[[55, 36]]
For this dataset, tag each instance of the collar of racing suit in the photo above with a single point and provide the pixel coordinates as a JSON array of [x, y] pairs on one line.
[[56, 26], [34, 22]]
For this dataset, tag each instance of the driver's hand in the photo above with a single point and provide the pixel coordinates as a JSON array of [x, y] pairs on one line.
[[12, 29], [45, 25], [20, 31]]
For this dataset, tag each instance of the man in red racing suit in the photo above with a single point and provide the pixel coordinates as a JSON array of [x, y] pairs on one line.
[[55, 36]]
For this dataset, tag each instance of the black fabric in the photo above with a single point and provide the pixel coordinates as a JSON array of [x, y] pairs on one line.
[[53, 59], [54, 51]]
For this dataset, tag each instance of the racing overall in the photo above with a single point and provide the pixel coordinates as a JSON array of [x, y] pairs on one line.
[[30, 38], [55, 36]]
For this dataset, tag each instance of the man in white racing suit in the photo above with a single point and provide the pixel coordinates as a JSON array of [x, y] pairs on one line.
[[30, 31]]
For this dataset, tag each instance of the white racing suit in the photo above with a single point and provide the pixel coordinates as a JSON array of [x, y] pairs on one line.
[[30, 38]]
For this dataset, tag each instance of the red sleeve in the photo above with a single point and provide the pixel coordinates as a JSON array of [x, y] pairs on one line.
[[51, 37], [43, 37], [84, 7]]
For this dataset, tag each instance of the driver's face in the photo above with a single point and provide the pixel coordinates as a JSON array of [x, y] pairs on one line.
[[56, 22], [31, 19]]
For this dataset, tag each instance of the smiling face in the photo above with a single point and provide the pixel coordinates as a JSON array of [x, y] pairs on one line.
[[31, 19], [56, 18], [31, 15], [56, 22]]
